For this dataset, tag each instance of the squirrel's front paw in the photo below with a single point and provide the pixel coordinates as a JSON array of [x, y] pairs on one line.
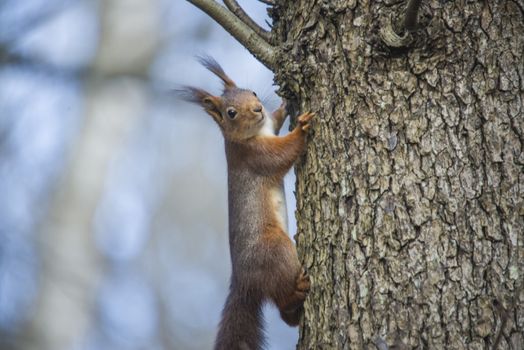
[[304, 120]]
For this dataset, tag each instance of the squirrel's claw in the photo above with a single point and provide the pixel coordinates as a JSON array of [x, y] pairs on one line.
[[306, 117], [304, 120]]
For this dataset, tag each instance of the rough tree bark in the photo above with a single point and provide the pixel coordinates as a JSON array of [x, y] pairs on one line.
[[410, 197]]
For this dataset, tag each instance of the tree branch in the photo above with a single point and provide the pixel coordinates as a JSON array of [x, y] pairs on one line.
[[410, 20], [400, 36], [261, 49], [234, 7]]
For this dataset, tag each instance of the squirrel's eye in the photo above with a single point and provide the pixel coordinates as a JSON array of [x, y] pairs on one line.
[[254, 94], [231, 113]]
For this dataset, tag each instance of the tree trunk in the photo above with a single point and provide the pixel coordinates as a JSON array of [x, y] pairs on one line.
[[410, 197]]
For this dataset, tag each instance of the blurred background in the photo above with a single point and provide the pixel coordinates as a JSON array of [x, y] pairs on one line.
[[113, 202]]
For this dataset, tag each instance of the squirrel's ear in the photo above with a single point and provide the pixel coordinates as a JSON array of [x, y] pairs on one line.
[[210, 103], [212, 106]]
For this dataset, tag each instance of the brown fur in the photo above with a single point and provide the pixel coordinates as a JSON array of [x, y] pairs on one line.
[[264, 260]]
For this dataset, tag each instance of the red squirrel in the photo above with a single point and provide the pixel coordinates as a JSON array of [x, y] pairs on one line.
[[265, 264]]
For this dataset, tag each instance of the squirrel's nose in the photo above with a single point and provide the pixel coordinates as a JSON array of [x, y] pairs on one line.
[[257, 109]]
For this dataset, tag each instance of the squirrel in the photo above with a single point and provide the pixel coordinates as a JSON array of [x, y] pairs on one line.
[[265, 265]]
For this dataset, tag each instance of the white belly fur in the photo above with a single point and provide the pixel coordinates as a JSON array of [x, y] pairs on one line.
[[268, 128], [277, 195], [278, 199]]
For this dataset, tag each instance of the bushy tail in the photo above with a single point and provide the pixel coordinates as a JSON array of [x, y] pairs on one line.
[[241, 324]]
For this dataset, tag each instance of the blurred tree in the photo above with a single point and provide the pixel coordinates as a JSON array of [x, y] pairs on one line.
[[71, 265], [71, 269], [103, 242], [410, 198]]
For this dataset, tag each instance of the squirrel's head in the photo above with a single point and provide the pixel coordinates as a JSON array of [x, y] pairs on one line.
[[238, 112]]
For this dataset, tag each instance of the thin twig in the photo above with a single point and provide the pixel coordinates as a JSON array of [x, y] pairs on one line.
[[234, 7], [261, 49], [410, 19], [268, 2]]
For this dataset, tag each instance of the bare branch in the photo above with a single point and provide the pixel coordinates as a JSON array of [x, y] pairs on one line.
[[390, 37], [268, 2], [410, 21], [234, 7], [261, 49], [400, 36]]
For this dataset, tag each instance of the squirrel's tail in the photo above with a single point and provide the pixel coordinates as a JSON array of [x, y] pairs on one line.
[[241, 324]]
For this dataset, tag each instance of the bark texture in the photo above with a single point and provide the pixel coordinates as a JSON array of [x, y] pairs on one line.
[[410, 198]]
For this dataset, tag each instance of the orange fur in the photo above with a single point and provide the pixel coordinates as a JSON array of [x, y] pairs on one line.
[[264, 259]]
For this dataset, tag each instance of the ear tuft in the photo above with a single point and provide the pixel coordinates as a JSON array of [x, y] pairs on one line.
[[191, 94], [210, 103], [213, 66]]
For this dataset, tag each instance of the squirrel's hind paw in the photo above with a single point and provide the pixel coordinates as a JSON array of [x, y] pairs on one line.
[[303, 283]]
